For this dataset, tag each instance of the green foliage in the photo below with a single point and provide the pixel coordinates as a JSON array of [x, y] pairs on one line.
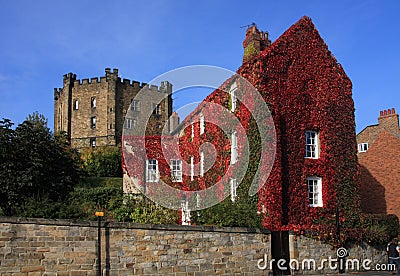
[[95, 194], [35, 165], [102, 161], [250, 51], [243, 212], [141, 210]]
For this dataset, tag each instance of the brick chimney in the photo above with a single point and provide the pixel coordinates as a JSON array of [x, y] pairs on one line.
[[255, 42], [389, 120]]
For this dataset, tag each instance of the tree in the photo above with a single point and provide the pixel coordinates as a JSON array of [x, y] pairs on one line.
[[36, 165]]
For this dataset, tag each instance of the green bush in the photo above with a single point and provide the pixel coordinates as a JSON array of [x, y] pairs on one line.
[[102, 161]]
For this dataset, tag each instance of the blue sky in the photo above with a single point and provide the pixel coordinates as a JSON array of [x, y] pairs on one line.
[[43, 40]]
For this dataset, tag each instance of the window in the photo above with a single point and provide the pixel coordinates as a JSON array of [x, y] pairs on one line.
[[93, 122], [156, 109], [186, 217], [176, 170], [129, 123], [191, 168], [233, 98], [93, 102], [314, 185], [233, 185], [93, 142], [201, 163], [201, 124], [76, 104], [135, 105], [362, 147], [234, 147], [152, 170], [312, 145]]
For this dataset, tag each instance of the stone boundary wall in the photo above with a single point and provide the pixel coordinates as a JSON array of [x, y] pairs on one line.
[[303, 249], [30, 247]]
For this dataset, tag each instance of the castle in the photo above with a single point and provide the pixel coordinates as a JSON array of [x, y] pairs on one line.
[[92, 112]]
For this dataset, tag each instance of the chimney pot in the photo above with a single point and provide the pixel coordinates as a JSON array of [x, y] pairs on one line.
[[393, 111], [380, 113]]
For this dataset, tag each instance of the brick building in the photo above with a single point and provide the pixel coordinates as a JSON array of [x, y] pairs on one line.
[[310, 97], [92, 112], [379, 157]]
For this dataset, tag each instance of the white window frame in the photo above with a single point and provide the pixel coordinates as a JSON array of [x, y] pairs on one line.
[[363, 147], [191, 168], [156, 109], [232, 96], [93, 102], [314, 191], [234, 147], [176, 170], [93, 122], [135, 105], [201, 163], [186, 217], [233, 185], [76, 104], [129, 123], [312, 144], [202, 125], [152, 173]]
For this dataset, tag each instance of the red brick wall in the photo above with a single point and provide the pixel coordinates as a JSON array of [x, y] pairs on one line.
[[380, 176]]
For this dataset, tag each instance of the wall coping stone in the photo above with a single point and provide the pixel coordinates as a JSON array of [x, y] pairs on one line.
[[130, 225]]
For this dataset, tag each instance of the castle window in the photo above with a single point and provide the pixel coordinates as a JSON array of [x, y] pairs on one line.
[[129, 123], [93, 102], [233, 185], [233, 98], [191, 168], [76, 104], [312, 144], [234, 147], [93, 122], [156, 109], [176, 170], [314, 185], [201, 163], [93, 142], [202, 124], [152, 170], [362, 147], [135, 105]]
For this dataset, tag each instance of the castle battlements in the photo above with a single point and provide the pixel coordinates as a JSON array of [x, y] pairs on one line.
[[165, 86]]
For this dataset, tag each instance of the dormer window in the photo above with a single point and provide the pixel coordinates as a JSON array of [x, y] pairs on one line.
[[362, 147], [312, 144]]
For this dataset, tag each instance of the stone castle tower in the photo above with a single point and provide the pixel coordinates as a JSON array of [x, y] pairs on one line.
[[92, 112]]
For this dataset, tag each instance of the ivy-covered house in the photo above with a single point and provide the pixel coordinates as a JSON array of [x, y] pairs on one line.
[[313, 167]]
